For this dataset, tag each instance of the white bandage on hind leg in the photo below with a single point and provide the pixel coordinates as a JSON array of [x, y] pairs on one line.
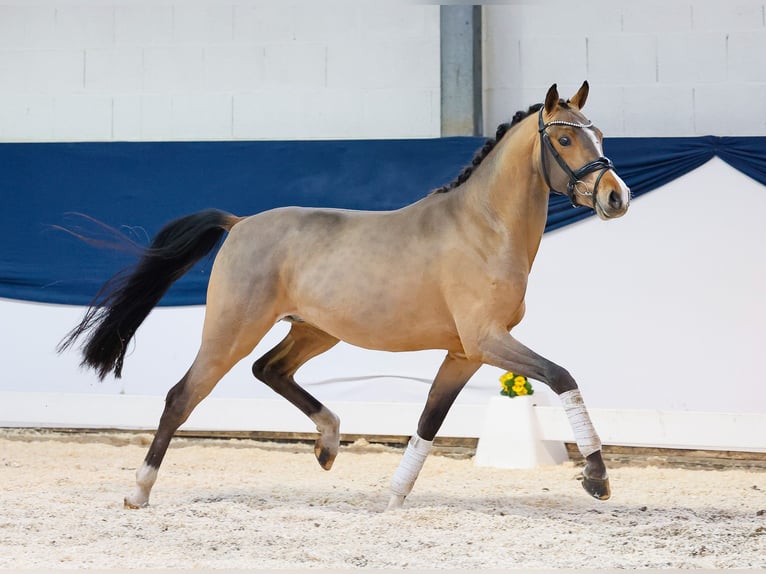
[[584, 432], [412, 461]]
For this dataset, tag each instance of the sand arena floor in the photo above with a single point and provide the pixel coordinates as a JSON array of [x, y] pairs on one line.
[[259, 505]]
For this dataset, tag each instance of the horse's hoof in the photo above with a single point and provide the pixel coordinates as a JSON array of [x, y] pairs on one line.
[[328, 443], [134, 506], [597, 487], [324, 455], [395, 502]]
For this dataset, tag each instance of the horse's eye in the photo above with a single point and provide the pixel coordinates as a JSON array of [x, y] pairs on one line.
[[565, 141]]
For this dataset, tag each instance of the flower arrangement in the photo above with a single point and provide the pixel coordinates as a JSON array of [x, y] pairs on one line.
[[515, 385]]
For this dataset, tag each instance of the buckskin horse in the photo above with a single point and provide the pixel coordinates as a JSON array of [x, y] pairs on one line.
[[446, 272]]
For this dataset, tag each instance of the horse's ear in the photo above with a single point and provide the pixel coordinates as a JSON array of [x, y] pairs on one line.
[[551, 99], [578, 100]]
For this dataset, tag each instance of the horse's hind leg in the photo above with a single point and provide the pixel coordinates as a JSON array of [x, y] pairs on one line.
[[277, 367], [221, 348], [195, 385], [450, 380]]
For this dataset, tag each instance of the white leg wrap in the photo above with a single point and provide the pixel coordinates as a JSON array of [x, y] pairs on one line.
[[585, 435], [412, 461]]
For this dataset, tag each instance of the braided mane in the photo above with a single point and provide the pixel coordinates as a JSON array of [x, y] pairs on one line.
[[490, 144]]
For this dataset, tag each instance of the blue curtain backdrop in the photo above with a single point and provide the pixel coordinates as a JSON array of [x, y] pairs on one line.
[[138, 187]]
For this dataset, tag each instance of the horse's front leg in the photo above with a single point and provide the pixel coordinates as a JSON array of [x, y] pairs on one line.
[[502, 350], [450, 380]]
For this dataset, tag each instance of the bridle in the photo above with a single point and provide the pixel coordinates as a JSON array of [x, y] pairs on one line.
[[575, 186]]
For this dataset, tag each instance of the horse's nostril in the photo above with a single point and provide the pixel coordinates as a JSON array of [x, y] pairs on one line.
[[615, 201]]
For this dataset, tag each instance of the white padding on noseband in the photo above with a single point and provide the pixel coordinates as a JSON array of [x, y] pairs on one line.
[[412, 461], [585, 435]]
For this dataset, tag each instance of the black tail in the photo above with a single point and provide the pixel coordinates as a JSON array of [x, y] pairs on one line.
[[126, 299]]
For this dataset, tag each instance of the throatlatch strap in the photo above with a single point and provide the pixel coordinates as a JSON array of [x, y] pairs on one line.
[[584, 432], [409, 468]]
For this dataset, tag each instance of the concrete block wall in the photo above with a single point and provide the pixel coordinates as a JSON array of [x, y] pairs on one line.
[[80, 70], [74, 70], [656, 67]]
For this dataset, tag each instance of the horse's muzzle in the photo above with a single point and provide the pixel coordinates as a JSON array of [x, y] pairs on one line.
[[612, 197]]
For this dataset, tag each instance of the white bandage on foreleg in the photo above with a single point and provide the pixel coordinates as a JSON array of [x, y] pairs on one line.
[[585, 435], [409, 468]]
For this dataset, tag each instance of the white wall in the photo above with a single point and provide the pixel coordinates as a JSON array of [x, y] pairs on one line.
[[656, 67], [663, 308], [75, 70]]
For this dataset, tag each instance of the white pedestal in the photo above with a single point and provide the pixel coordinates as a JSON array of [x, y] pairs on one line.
[[511, 437]]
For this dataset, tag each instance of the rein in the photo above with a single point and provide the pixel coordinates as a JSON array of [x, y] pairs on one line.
[[575, 185]]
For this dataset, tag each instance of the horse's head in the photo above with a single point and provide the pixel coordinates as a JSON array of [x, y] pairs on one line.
[[572, 158]]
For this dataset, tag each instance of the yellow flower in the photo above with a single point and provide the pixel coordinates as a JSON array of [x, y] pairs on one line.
[[515, 385]]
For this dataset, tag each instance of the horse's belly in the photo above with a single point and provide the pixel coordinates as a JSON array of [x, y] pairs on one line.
[[401, 337], [385, 323]]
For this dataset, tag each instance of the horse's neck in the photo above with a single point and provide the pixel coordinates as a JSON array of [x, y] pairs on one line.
[[507, 186]]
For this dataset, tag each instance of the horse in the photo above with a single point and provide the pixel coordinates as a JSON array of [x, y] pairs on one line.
[[447, 272]]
